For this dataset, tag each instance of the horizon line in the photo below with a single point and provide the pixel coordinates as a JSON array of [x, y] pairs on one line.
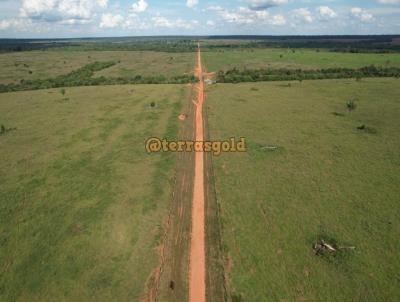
[[205, 36]]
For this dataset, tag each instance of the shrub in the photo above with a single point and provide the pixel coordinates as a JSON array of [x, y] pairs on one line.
[[351, 105]]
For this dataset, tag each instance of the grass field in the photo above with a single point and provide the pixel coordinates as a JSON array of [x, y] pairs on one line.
[[326, 180], [301, 58], [82, 204], [87, 215], [45, 64]]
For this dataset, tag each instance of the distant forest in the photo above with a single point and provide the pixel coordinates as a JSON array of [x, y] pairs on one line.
[[354, 44]]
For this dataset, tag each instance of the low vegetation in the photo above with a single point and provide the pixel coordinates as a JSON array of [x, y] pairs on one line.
[[84, 77], [351, 105], [4, 129], [81, 204], [304, 59], [259, 75], [311, 209], [50, 64]]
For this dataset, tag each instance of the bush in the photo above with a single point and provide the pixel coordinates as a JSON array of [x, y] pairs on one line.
[[351, 105]]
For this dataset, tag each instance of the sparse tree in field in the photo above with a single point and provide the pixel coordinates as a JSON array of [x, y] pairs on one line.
[[152, 104], [2, 129], [62, 91], [351, 105]]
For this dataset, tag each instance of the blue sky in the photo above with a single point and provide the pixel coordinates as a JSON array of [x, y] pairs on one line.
[[86, 18]]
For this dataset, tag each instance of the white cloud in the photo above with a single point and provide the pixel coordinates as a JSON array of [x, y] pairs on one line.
[[210, 23], [111, 21], [72, 11], [278, 20], [162, 22], [326, 13], [242, 16], [139, 6], [133, 23], [389, 1], [361, 14], [37, 9], [5, 24], [11, 23], [303, 14], [102, 3], [76, 9], [215, 8], [192, 3], [232, 17], [246, 16], [20, 24], [264, 4]]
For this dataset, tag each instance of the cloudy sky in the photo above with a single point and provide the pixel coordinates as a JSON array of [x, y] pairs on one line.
[[84, 18]]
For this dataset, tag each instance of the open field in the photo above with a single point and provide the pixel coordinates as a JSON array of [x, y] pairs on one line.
[[298, 58], [82, 204], [87, 215], [326, 180], [46, 64], [150, 63]]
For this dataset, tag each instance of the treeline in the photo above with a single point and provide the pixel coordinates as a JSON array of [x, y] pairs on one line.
[[258, 75], [84, 77], [352, 44], [7, 45], [172, 45], [356, 47]]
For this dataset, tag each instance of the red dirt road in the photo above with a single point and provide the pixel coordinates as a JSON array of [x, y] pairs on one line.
[[197, 268]]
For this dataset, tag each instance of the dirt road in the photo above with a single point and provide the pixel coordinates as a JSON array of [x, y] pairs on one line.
[[197, 269]]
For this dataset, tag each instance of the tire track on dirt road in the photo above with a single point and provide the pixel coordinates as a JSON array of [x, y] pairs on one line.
[[169, 283]]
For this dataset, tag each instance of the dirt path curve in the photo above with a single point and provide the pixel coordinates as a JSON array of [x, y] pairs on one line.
[[197, 268]]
